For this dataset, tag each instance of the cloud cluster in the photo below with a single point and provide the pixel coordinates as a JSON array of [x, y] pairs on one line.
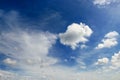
[[110, 40], [110, 64], [29, 52], [75, 34]]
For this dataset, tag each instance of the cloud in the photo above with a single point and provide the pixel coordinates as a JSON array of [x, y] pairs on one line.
[[30, 50], [9, 61], [30, 53], [83, 46], [75, 34], [6, 75], [105, 2], [62, 74], [81, 63], [110, 64], [111, 34], [110, 40], [27, 48], [102, 2], [102, 61], [115, 61]]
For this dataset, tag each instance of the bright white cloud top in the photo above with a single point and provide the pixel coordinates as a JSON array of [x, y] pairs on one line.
[[75, 34], [110, 40]]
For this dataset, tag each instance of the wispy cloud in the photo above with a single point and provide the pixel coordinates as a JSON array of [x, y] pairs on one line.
[[105, 2]]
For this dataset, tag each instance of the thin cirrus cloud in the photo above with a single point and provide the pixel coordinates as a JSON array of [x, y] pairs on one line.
[[75, 34], [109, 40]]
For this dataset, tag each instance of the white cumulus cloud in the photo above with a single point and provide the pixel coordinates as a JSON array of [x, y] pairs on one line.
[[102, 61], [110, 64], [75, 34], [110, 40], [115, 61]]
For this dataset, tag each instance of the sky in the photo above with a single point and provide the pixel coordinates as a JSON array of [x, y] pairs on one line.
[[59, 40]]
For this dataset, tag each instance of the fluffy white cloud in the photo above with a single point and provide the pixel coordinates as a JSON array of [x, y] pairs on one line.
[[102, 61], [105, 2], [110, 64], [75, 34], [110, 40], [115, 61], [112, 34]]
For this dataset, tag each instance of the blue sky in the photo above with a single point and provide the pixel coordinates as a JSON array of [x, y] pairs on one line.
[[59, 39]]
